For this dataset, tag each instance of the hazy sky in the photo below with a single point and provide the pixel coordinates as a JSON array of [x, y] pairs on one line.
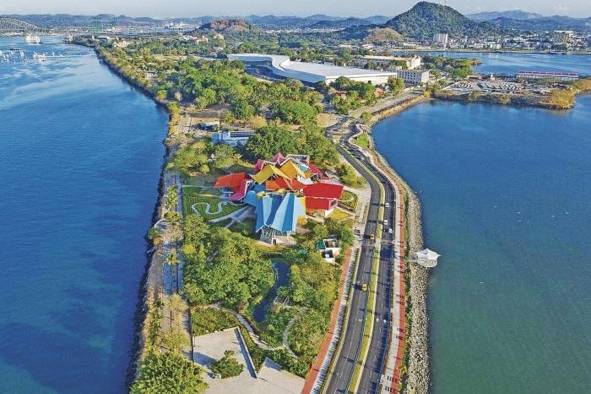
[[165, 8]]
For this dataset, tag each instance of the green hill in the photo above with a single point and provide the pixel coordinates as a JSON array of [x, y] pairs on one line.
[[426, 19]]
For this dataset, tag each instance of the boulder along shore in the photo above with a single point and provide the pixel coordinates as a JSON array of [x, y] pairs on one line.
[[416, 360]]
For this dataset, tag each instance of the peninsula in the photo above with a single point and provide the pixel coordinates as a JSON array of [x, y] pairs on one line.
[[284, 248]]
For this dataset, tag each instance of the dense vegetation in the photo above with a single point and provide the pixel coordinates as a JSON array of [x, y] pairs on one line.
[[187, 79], [207, 320], [227, 366], [168, 373], [351, 95], [196, 158], [564, 98], [223, 267], [457, 68], [309, 140]]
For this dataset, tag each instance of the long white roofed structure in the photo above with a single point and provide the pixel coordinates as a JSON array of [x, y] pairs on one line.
[[311, 73]]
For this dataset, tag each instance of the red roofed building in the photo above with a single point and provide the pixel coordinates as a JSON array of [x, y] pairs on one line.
[[230, 181], [322, 196], [235, 185]]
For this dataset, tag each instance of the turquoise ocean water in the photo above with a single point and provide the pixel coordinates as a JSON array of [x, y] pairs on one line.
[[506, 196]]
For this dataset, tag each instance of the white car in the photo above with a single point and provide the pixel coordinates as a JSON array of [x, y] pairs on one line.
[[390, 230], [385, 222], [387, 205]]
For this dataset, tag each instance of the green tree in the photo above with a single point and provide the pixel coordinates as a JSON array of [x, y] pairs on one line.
[[269, 140], [232, 271], [295, 112], [312, 142], [396, 85], [191, 159], [168, 373], [227, 366], [224, 156]]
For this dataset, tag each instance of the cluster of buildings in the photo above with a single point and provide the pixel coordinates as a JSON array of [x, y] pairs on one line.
[[557, 40], [282, 191]]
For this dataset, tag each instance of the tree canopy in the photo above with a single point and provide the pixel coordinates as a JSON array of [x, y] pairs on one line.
[[168, 373], [309, 140], [223, 266], [227, 366]]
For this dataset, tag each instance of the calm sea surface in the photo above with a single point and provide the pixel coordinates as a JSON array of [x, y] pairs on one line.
[[506, 195], [80, 153]]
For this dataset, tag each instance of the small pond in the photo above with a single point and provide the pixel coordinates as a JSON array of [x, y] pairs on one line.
[[281, 269]]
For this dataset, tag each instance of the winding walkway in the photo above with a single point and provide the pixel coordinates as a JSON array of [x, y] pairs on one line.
[[259, 342]]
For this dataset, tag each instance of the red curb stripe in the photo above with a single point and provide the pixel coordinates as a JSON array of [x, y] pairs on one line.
[[317, 364]]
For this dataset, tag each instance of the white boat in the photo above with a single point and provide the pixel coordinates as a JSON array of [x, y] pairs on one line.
[[39, 57], [32, 39]]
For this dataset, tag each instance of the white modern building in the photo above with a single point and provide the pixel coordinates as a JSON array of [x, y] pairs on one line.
[[282, 67], [411, 62], [232, 138], [414, 77]]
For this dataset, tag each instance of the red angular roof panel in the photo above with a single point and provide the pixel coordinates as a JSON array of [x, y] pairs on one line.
[[324, 190], [230, 181]]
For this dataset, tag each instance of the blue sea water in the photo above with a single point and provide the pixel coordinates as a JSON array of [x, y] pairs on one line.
[[81, 153], [506, 198]]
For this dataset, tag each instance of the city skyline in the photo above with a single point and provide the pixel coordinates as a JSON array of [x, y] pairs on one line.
[[185, 8]]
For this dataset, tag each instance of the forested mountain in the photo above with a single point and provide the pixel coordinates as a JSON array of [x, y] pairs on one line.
[[426, 19]]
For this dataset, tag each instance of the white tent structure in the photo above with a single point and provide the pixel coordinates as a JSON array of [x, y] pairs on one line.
[[427, 258]]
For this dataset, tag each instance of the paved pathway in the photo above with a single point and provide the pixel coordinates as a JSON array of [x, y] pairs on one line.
[[260, 343]]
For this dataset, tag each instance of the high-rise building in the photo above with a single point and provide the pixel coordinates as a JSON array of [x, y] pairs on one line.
[[440, 39]]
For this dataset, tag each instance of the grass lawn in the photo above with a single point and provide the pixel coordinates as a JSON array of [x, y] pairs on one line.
[[208, 320], [362, 140], [201, 197], [339, 215], [348, 200]]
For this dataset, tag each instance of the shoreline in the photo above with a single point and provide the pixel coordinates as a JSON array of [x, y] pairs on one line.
[[416, 353], [149, 291]]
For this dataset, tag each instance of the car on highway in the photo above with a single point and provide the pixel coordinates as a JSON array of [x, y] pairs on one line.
[[390, 230], [363, 287], [372, 237], [385, 222], [387, 205]]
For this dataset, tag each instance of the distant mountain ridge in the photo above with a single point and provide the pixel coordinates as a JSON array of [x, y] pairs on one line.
[[420, 22], [547, 23], [349, 22], [67, 20], [512, 14]]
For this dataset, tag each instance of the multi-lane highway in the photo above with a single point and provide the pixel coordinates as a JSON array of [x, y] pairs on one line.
[[339, 380]]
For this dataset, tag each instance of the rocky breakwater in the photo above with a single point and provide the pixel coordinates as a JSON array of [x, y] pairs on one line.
[[415, 367], [416, 356]]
